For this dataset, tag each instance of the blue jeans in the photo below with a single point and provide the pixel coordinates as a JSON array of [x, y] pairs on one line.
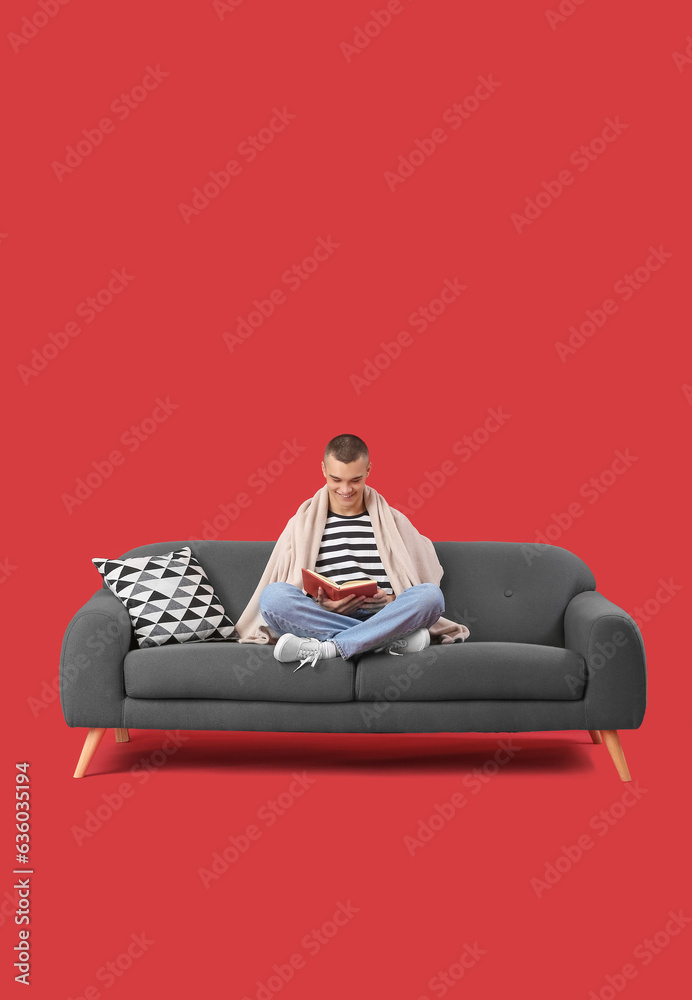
[[285, 608]]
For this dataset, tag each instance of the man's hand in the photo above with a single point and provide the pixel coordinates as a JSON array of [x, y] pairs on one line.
[[378, 600], [348, 604], [343, 607]]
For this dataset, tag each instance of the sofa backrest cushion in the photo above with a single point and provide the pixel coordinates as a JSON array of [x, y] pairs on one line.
[[511, 591], [234, 568], [503, 591]]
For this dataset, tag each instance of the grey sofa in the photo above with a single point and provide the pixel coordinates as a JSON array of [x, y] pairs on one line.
[[546, 652]]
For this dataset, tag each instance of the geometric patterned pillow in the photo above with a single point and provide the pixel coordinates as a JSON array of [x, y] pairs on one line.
[[169, 598]]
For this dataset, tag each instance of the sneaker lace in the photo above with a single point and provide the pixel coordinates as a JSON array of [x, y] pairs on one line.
[[308, 655], [401, 643]]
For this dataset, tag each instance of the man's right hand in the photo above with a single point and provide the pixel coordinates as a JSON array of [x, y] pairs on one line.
[[343, 607]]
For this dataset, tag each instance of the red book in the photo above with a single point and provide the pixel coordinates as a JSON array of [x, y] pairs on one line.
[[334, 591]]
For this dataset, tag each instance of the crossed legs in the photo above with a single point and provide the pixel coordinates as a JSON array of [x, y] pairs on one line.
[[285, 608]]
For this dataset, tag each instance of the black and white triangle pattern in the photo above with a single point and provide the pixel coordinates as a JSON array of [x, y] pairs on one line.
[[169, 598]]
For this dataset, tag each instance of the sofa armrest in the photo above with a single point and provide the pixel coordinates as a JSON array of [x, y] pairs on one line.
[[92, 687], [611, 644]]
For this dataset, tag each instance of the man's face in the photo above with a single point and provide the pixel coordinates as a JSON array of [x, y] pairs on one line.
[[346, 484]]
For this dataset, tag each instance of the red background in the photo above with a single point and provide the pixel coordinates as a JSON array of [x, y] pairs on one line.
[[323, 175]]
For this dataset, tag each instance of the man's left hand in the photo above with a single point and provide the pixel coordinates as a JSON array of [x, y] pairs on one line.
[[378, 600]]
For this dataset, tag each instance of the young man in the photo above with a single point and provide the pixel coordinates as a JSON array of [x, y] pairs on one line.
[[348, 531]]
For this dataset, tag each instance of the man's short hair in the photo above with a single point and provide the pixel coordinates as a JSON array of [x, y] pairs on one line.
[[347, 448]]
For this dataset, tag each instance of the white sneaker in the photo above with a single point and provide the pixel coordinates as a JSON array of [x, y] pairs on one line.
[[414, 642], [294, 647]]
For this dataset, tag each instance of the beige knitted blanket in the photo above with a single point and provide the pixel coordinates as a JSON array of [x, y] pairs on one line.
[[408, 557]]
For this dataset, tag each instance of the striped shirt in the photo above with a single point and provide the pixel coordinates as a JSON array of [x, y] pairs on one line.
[[348, 551]]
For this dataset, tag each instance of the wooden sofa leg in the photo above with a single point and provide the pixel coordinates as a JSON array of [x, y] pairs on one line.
[[612, 741], [595, 735], [122, 736], [94, 737]]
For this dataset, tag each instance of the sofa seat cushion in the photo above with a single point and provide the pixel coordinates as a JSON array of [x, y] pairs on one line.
[[235, 671], [473, 670]]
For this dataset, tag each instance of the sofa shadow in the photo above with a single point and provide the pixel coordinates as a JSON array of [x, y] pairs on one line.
[[374, 753]]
